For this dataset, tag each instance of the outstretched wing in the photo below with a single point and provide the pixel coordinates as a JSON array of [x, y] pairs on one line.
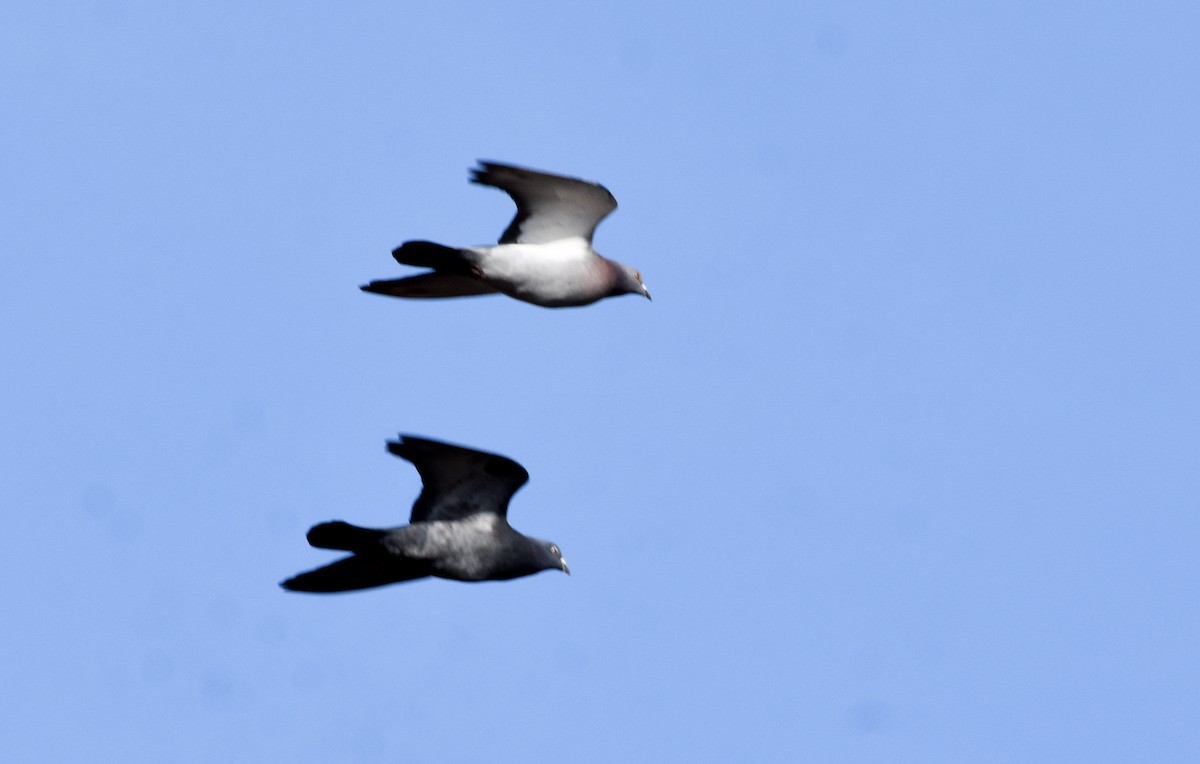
[[458, 482], [430, 285], [357, 572], [549, 207]]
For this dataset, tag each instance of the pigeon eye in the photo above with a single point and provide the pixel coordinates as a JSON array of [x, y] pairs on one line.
[[554, 550]]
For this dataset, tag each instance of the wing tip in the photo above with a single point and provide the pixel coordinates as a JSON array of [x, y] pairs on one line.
[[397, 448], [386, 287], [481, 175], [405, 444], [498, 465], [487, 169]]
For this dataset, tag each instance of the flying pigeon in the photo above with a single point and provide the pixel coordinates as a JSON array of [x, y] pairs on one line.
[[459, 528], [544, 257]]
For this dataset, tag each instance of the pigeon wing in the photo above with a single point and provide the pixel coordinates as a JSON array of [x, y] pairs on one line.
[[458, 482], [549, 207], [430, 285]]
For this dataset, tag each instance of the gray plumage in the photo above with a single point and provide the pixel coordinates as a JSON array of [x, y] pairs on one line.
[[458, 529], [545, 256]]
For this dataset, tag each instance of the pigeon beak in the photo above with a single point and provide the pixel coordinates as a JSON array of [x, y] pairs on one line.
[[564, 566], [646, 292]]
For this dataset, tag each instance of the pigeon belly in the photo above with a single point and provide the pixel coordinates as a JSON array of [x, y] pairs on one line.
[[463, 550], [556, 274]]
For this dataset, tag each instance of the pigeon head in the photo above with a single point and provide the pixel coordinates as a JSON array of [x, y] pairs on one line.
[[551, 557], [628, 280]]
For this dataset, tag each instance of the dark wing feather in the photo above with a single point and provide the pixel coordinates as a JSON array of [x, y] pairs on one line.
[[430, 285], [357, 572], [549, 207], [458, 482]]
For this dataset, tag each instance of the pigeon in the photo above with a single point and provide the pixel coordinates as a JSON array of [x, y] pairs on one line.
[[544, 257], [458, 530]]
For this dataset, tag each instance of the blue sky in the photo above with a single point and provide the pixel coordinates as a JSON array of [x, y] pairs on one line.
[[901, 464]]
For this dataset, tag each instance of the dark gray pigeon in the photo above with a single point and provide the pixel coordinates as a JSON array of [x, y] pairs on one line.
[[544, 257], [459, 528]]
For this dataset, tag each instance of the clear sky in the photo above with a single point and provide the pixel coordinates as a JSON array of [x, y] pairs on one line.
[[901, 464]]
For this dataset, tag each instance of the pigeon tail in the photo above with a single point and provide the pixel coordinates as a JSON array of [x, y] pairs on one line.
[[350, 574], [426, 254], [344, 536]]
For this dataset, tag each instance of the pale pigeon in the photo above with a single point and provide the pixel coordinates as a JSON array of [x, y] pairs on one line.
[[544, 257]]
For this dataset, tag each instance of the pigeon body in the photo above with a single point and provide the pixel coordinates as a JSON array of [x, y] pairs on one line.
[[544, 257], [458, 530]]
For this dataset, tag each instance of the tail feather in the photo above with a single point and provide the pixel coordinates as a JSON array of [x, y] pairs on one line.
[[426, 254], [343, 536], [353, 573], [430, 285]]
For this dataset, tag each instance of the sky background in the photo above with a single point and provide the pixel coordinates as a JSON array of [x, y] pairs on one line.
[[901, 464]]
